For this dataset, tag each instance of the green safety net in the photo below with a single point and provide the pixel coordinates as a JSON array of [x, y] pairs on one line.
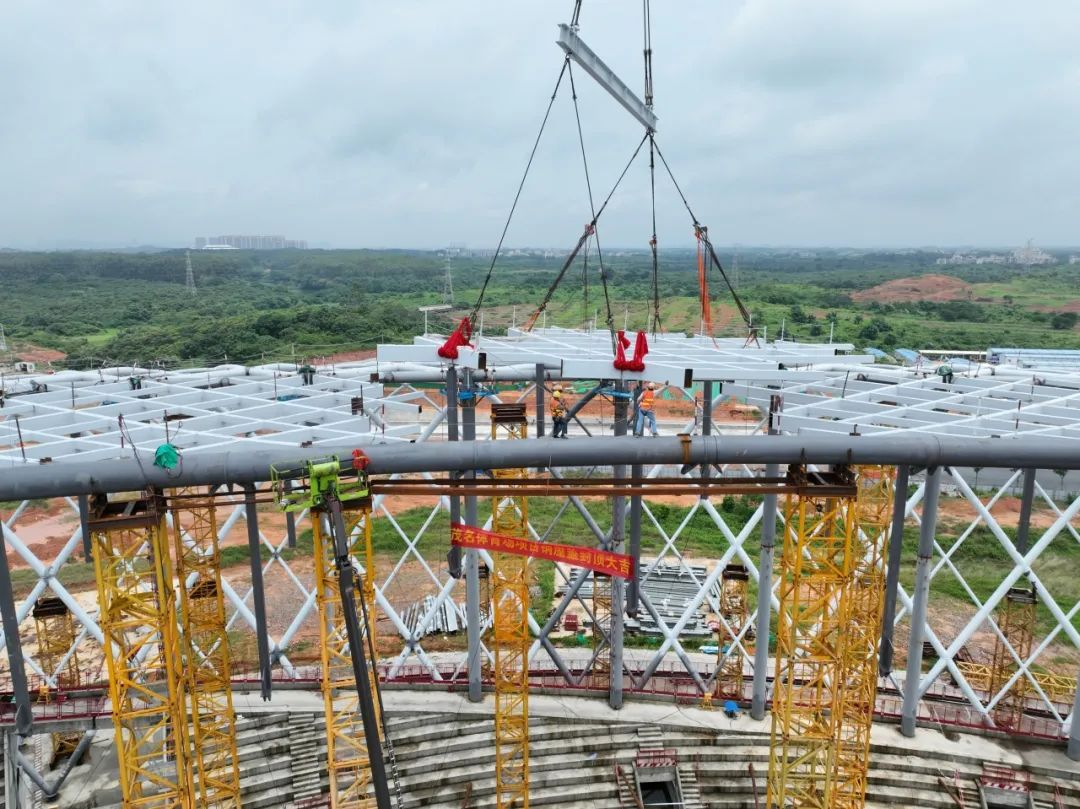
[[167, 456]]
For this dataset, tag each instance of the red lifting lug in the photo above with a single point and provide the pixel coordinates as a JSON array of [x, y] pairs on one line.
[[359, 460]]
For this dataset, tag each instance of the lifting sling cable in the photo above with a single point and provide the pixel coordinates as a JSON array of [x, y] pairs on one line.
[[585, 290], [708, 244], [592, 210], [647, 30], [655, 326], [589, 229], [703, 283], [517, 196], [576, 15]]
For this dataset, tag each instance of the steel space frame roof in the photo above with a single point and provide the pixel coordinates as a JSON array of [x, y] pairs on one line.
[[96, 420], [825, 388]]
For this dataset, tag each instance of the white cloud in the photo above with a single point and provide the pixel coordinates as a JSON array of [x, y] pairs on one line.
[[408, 123]]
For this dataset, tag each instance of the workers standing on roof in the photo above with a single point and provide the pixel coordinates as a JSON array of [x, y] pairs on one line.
[[945, 371], [646, 408], [559, 418]]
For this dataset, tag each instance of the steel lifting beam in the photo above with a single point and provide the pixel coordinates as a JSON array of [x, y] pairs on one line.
[[581, 53]]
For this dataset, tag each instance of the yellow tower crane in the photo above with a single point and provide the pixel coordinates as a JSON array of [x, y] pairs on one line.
[[142, 651], [205, 645], [510, 638]]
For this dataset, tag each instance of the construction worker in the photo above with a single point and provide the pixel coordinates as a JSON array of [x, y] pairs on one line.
[[945, 371], [646, 406], [559, 419], [307, 373]]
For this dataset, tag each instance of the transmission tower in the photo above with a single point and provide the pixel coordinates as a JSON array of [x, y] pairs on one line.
[[190, 280], [448, 281]]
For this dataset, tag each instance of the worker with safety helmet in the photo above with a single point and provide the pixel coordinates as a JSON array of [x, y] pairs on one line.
[[559, 418], [646, 411]]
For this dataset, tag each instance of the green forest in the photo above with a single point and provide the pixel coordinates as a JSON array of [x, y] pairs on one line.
[[253, 306]]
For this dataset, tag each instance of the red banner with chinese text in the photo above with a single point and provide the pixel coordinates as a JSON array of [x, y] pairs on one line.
[[614, 564]]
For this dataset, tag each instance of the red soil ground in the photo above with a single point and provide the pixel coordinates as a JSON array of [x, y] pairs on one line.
[[924, 288]]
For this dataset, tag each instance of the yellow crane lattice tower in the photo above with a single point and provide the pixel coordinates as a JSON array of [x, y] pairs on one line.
[[865, 596], [58, 655], [1016, 620], [205, 645], [734, 609], [816, 562], [510, 637], [138, 619], [348, 757]]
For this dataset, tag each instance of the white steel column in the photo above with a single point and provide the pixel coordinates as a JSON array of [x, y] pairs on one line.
[[920, 599]]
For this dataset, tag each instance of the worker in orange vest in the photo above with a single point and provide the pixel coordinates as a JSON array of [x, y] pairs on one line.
[[558, 414], [646, 405]]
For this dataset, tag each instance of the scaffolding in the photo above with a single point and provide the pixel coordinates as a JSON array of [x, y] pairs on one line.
[[58, 654], [601, 631], [734, 610], [348, 757], [205, 646], [865, 597], [510, 600], [817, 560], [139, 622], [1016, 620]]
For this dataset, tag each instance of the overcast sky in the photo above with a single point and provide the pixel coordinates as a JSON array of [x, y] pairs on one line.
[[407, 122]]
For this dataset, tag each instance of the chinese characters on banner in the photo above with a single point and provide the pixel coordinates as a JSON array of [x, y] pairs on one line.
[[614, 564]]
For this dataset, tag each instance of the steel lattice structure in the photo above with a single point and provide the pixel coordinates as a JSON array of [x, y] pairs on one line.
[[59, 657], [348, 756], [810, 741], [1016, 620], [510, 630], [865, 598], [205, 645], [822, 402], [146, 689], [733, 615]]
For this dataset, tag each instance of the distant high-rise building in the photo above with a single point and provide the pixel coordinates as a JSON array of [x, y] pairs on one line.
[[241, 242]]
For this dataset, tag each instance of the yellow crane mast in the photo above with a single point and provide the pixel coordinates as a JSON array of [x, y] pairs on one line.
[[58, 655], [510, 638], [865, 597], [1016, 620], [734, 609], [831, 594], [817, 552], [138, 619], [205, 646]]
